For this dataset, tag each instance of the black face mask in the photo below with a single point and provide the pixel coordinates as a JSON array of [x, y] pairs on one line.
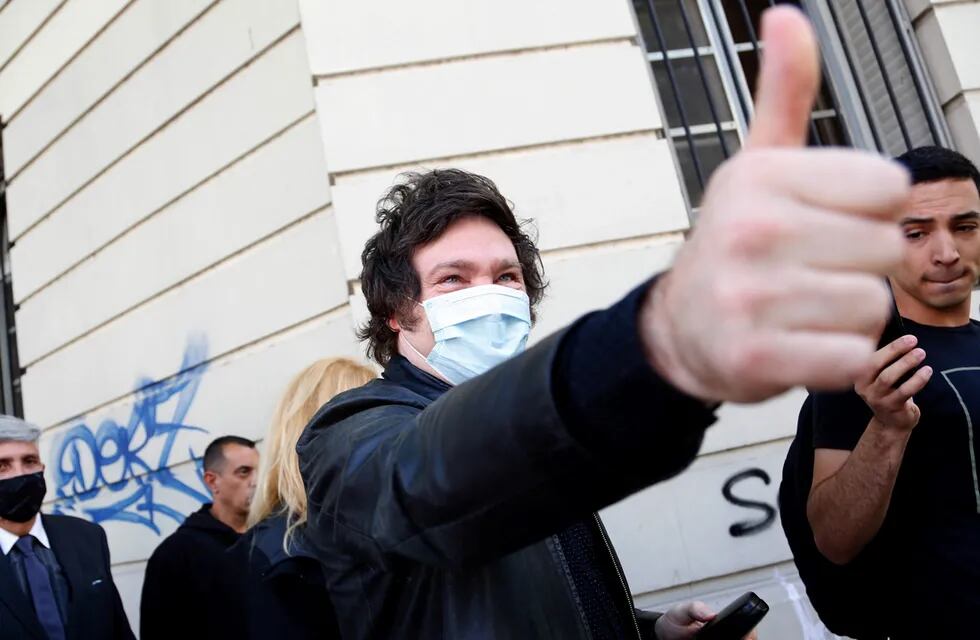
[[21, 496]]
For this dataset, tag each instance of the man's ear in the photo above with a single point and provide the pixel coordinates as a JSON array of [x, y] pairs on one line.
[[393, 324], [211, 479]]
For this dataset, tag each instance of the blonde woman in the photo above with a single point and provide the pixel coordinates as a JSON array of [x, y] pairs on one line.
[[280, 581]]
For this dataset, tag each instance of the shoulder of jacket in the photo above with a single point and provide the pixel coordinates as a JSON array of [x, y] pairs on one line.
[[377, 395], [56, 521]]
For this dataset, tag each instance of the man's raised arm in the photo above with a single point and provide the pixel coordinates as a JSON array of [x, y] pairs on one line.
[[851, 490]]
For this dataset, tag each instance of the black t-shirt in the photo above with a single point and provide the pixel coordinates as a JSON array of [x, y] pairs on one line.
[[928, 550]]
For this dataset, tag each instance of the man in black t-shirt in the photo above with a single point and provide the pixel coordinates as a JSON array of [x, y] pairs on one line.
[[895, 486]]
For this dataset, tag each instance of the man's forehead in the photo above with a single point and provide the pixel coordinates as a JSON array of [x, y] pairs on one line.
[[950, 197], [17, 449], [239, 454], [467, 243]]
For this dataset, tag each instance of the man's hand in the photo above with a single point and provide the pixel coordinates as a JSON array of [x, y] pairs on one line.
[[683, 621], [894, 408], [775, 287]]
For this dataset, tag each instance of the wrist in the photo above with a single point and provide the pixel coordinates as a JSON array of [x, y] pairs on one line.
[[658, 628], [886, 435], [657, 335]]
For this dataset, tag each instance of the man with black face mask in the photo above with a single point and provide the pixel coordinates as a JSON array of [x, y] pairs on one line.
[[55, 580]]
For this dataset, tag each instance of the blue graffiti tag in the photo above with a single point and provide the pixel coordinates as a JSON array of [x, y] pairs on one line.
[[119, 460]]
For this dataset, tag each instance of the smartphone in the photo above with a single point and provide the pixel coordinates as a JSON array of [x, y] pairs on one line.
[[736, 620], [894, 330]]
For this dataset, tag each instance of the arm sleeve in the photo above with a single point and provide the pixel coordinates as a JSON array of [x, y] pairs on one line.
[[122, 629], [647, 621], [574, 424], [160, 598], [839, 420]]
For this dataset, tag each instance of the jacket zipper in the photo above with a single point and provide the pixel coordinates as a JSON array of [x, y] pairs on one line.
[[619, 574]]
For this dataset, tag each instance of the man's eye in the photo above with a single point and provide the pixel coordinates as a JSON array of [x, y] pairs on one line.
[[966, 228], [509, 277], [449, 280], [914, 235]]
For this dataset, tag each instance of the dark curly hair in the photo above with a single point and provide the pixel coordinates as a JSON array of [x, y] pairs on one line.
[[416, 211]]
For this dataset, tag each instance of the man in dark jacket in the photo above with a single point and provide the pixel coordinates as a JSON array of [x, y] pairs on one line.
[[179, 595], [455, 497], [55, 578]]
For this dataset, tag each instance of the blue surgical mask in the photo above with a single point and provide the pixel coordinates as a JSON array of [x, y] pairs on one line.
[[476, 329]]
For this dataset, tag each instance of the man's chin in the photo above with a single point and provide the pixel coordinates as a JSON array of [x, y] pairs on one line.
[[949, 296]]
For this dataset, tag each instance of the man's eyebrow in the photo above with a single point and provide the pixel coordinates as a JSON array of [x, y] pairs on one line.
[[466, 265], [959, 217], [916, 220], [463, 265], [967, 215]]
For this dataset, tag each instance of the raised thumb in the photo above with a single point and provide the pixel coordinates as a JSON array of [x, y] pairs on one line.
[[788, 81]]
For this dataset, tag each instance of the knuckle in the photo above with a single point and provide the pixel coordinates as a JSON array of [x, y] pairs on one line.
[[748, 360], [870, 300], [754, 234], [875, 294], [754, 164], [743, 295]]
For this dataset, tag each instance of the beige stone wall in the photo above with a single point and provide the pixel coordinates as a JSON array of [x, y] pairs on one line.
[[947, 33], [172, 222]]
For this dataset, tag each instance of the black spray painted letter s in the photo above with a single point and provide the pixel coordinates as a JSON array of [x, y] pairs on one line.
[[748, 527]]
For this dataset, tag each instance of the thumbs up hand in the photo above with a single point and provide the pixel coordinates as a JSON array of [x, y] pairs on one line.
[[780, 283]]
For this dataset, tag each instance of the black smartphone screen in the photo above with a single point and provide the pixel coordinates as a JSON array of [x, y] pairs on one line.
[[736, 620], [894, 330]]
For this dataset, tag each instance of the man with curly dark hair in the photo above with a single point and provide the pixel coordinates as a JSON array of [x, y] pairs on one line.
[[413, 214], [455, 496]]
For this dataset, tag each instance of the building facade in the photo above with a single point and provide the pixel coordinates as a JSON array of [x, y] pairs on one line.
[[188, 185]]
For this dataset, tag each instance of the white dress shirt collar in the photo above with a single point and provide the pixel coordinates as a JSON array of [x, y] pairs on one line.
[[8, 540]]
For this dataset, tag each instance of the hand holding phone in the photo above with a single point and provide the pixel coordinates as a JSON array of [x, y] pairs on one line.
[[736, 620], [894, 330]]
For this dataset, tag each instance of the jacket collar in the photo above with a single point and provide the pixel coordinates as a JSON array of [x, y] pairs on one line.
[[403, 372], [267, 537], [204, 521]]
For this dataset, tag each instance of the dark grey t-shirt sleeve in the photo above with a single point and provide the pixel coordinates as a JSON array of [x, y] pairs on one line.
[[839, 420]]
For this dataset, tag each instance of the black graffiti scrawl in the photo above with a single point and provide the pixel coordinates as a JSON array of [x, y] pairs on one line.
[[749, 527]]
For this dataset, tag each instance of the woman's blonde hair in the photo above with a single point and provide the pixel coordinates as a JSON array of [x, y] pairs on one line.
[[280, 487]]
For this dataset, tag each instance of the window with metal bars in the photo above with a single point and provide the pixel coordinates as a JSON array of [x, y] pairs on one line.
[[705, 56], [10, 399]]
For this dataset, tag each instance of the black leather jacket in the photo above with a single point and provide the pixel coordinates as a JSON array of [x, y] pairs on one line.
[[274, 593], [434, 509]]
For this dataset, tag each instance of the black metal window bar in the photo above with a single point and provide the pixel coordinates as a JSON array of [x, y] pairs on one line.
[[705, 57], [10, 372]]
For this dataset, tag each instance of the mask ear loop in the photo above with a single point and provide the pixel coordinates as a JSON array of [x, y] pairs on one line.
[[419, 354]]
